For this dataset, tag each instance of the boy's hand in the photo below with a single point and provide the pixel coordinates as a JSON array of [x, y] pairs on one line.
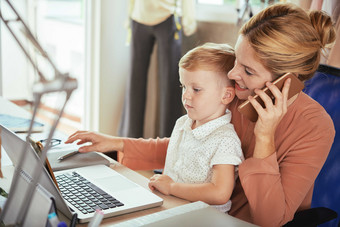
[[161, 183], [97, 141]]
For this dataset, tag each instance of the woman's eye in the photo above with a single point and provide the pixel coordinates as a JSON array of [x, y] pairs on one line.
[[197, 89], [247, 72]]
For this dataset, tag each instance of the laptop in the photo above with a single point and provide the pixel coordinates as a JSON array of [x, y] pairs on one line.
[[116, 194]]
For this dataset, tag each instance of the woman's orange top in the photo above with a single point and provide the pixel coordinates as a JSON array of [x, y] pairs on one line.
[[268, 191]]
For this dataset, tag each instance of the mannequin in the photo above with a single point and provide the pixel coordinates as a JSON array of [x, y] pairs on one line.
[[154, 21]]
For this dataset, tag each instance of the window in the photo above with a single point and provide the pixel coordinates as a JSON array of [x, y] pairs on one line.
[[229, 11], [60, 29]]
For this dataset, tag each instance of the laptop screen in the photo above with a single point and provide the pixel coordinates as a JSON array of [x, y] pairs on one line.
[[15, 148], [38, 147]]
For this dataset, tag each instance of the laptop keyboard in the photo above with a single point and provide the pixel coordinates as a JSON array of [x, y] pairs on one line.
[[84, 195]]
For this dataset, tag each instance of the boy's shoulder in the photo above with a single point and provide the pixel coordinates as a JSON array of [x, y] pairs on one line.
[[182, 119]]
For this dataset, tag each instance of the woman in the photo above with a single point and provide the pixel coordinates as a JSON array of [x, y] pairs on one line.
[[288, 144]]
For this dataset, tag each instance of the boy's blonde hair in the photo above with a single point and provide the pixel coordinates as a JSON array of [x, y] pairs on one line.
[[210, 57]]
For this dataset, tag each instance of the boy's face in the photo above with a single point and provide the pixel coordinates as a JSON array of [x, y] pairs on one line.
[[202, 95]]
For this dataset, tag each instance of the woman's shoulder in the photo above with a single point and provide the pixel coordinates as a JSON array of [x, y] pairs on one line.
[[306, 112], [308, 108], [306, 129]]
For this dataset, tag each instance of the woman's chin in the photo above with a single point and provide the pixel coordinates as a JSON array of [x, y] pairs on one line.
[[242, 95]]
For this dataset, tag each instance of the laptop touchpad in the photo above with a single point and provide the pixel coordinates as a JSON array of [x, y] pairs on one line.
[[115, 183]]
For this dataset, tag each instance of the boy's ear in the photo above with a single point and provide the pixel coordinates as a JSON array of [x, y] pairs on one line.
[[229, 95]]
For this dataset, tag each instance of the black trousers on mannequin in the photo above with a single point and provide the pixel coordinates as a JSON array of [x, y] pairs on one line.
[[169, 53]]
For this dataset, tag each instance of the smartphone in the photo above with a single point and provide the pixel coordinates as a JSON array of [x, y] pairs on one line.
[[296, 85]]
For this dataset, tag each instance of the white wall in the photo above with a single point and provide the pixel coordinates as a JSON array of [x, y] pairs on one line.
[[14, 66], [109, 66], [0, 61], [113, 64]]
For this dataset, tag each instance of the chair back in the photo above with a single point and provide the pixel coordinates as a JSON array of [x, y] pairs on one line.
[[324, 87]]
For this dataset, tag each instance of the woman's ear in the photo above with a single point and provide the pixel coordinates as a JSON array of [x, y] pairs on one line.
[[229, 95]]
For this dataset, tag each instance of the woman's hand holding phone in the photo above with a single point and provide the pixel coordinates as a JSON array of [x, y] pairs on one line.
[[267, 108], [269, 118], [248, 110]]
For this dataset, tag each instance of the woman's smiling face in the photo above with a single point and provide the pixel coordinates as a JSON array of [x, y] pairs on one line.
[[248, 72]]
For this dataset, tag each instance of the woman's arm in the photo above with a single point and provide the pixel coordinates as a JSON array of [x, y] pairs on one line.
[[216, 192], [276, 188], [269, 118], [279, 178], [145, 154], [277, 185]]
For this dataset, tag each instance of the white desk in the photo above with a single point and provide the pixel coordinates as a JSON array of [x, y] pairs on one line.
[[169, 201]]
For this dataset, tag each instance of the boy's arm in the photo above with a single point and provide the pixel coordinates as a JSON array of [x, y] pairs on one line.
[[216, 192]]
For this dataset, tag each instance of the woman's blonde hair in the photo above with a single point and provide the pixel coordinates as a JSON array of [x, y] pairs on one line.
[[288, 39], [210, 56]]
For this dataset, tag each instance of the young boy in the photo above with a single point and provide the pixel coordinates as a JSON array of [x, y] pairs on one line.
[[204, 147]]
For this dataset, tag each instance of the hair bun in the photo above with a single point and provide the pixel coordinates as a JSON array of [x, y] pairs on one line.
[[323, 25]]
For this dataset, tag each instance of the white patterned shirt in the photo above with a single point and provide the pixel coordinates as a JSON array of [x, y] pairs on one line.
[[192, 153]]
